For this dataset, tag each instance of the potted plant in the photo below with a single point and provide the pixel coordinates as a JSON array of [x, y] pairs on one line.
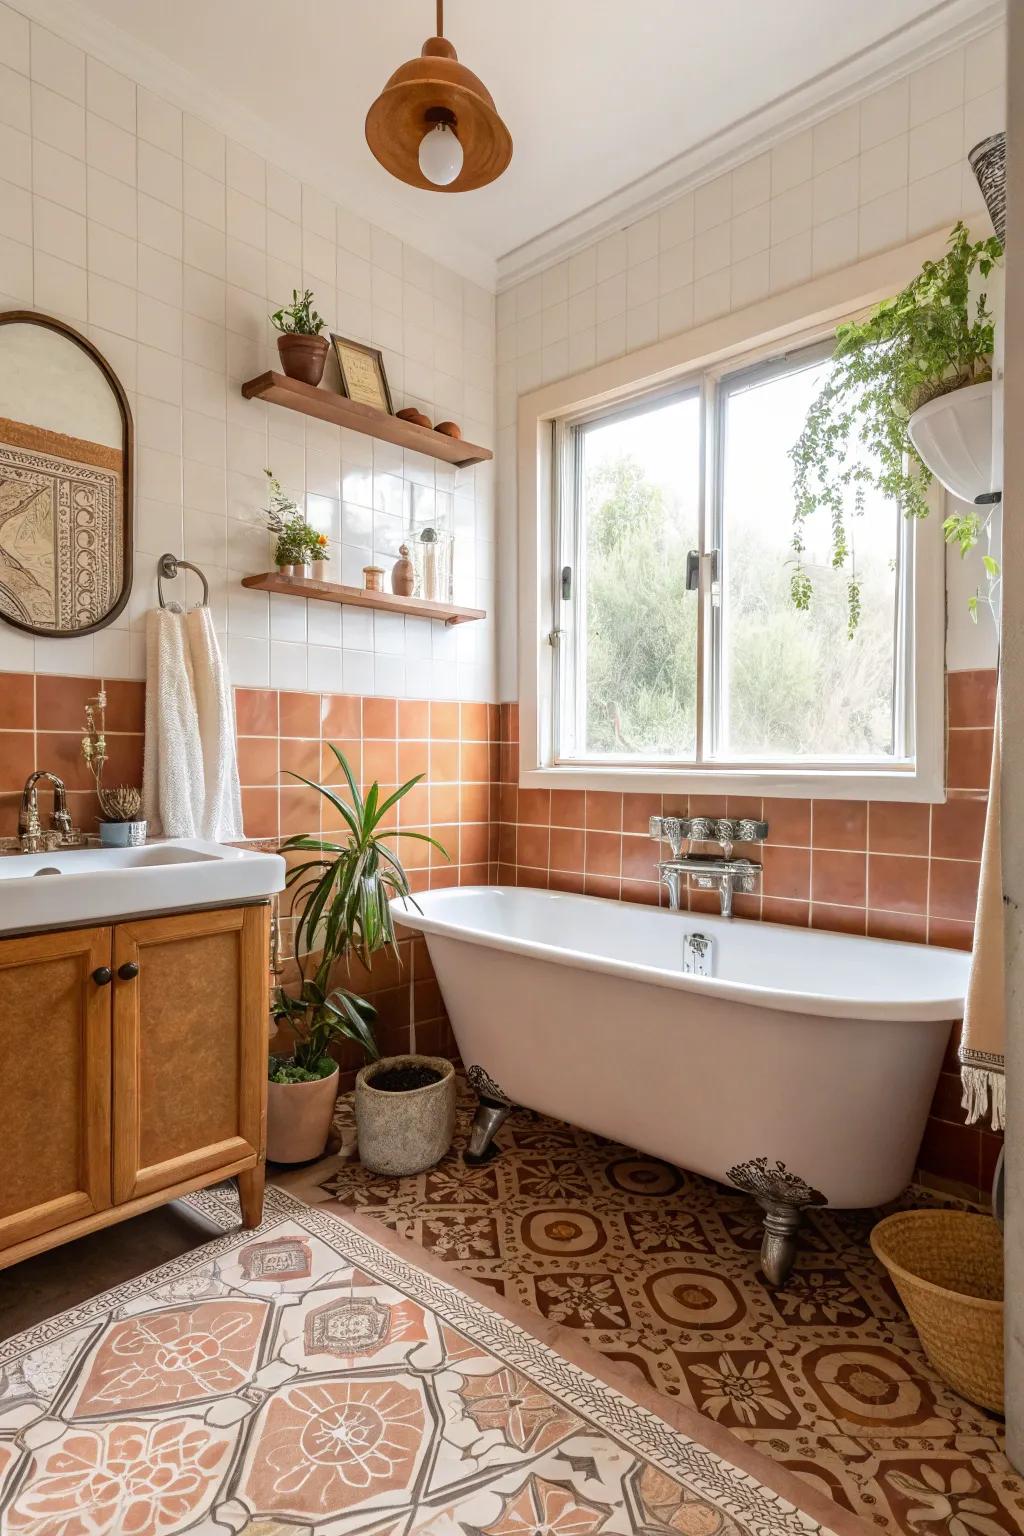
[[342, 897], [302, 349], [916, 359], [298, 549], [121, 823]]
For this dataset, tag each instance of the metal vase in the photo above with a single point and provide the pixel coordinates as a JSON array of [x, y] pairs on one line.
[[988, 162], [123, 834]]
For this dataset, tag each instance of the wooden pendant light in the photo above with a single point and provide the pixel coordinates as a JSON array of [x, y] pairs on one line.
[[436, 88]]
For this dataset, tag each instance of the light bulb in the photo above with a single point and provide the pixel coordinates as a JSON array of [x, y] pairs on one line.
[[440, 155]]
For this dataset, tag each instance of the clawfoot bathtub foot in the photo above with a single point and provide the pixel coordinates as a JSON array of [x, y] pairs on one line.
[[783, 1196], [492, 1112]]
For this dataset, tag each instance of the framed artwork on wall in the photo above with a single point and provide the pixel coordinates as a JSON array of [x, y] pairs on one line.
[[363, 378]]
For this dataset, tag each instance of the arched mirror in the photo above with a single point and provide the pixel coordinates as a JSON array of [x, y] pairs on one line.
[[65, 480]]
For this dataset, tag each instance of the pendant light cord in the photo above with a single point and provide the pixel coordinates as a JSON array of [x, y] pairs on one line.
[[440, 18]]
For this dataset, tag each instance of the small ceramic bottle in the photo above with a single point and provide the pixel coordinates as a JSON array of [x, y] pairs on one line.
[[403, 573]]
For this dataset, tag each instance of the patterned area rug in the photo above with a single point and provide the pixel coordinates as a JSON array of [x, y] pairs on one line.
[[659, 1269], [305, 1380]]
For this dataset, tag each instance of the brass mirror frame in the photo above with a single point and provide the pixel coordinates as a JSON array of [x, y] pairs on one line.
[[51, 323]]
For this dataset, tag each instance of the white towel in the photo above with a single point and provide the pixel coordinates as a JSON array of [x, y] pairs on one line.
[[190, 776], [221, 816]]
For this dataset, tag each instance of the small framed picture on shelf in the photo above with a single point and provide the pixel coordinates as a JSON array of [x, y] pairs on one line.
[[362, 373]]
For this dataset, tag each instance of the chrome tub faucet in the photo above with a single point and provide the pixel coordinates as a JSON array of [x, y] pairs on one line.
[[708, 871]]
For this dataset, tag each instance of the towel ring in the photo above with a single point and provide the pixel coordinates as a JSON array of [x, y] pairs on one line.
[[169, 566]]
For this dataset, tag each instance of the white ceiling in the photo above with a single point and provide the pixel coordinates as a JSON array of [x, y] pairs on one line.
[[596, 93]]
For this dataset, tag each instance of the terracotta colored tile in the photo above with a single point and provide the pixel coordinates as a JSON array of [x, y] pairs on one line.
[[969, 759], [972, 697], [257, 761], [787, 872], [744, 805], [299, 757], [958, 828], [606, 886], [507, 843], [473, 843], [10, 802], [532, 847], [299, 714], [444, 761], [747, 904], [415, 854], [449, 850], [796, 914], [474, 721], [604, 853], [126, 705], [17, 759], [840, 878], [946, 1103], [259, 812], [639, 858], [474, 802], [413, 720], [331, 771], [953, 891], [567, 880], [952, 1152], [413, 759], [341, 716], [675, 805], [84, 808], [789, 821], [61, 753], [904, 927], [256, 712], [534, 807], [444, 722], [838, 919], [568, 808], [604, 811], [647, 892], [950, 933], [532, 876], [839, 824], [474, 762], [444, 802], [707, 805], [17, 701], [898, 883], [568, 846], [414, 808], [61, 701], [380, 719], [895, 828], [300, 810], [380, 762], [637, 811]]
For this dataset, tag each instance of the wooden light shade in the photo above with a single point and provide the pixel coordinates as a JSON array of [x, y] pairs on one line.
[[437, 88]]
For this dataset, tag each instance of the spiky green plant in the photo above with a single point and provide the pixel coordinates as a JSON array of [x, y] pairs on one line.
[[344, 893], [298, 318]]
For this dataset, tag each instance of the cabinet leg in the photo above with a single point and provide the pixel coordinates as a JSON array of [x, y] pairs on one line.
[[250, 1194]]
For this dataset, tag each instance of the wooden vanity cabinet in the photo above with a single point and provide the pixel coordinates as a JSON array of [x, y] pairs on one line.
[[133, 1068]]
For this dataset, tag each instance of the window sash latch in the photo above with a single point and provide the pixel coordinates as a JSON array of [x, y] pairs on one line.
[[693, 561]]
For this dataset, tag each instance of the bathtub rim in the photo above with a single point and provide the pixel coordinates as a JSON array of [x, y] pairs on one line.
[[891, 1010]]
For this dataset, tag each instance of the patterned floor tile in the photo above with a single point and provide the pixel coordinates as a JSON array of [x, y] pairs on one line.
[[658, 1269]]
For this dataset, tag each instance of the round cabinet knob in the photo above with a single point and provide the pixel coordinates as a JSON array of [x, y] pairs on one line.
[[103, 975], [128, 971]]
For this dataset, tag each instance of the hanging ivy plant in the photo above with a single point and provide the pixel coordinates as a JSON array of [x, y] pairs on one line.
[[934, 337]]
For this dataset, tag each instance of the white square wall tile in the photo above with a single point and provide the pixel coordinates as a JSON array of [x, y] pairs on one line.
[[885, 114], [936, 143], [159, 122], [202, 146], [675, 223], [15, 100], [111, 148], [555, 284], [836, 139], [612, 255], [246, 171], [61, 288], [834, 243], [985, 63], [937, 87], [58, 64], [792, 212], [14, 39], [712, 203], [582, 270], [883, 222], [110, 95], [751, 183], [883, 168], [59, 231], [642, 241], [57, 121]]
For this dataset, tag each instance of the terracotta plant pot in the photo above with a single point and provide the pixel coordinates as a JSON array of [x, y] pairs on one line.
[[299, 1118], [303, 357], [405, 1132]]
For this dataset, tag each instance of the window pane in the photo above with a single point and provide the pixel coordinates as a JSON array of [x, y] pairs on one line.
[[793, 683], [637, 625]]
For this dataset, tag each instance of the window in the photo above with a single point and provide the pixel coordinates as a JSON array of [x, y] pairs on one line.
[[676, 644]]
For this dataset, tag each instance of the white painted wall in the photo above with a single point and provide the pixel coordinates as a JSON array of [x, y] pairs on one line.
[[168, 245], [863, 180]]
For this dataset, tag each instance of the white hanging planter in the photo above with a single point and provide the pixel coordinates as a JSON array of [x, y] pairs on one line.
[[953, 435]]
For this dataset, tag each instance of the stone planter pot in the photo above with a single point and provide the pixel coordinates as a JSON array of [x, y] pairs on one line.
[[401, 1133], [303, 357], [299, 1119]]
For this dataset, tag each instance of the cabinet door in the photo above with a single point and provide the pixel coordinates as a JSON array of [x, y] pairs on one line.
[[190, 1046], [54, 1081]]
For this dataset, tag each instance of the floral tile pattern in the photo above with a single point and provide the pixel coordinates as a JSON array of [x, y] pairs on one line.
[[658, 1269], [305, 1381]]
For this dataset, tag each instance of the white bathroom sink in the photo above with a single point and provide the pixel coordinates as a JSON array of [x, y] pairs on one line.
[[98, 885]]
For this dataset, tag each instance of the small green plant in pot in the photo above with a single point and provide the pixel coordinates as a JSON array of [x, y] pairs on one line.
[[302, 349], [298, 549], [341, 895], [866, 430]]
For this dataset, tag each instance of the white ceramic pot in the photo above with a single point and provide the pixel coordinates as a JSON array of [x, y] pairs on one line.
[[123, 834], [953, 435], [299, 1118], [405, 1132]]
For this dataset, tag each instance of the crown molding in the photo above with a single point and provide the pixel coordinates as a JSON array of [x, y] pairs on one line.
[[948, 26], [148, 67]]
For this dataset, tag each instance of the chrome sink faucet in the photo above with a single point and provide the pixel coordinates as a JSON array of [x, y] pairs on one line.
[[704, 870], [61, 832]]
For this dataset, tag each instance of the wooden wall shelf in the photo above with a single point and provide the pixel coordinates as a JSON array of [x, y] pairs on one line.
[[328, 406], [358, 597]]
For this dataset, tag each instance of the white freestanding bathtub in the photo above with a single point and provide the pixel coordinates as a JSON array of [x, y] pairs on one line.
[[801, 1069]]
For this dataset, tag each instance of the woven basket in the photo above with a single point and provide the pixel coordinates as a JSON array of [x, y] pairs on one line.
[[948, 1269]]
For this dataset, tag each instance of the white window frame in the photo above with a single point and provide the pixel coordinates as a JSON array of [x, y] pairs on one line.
[[762, 331]]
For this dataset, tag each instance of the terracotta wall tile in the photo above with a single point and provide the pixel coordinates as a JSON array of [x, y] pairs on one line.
[[969, 759], [898, 883], [257, 761], [603, 854], [604, 811], [17, 759], [413, 719], [341, 717], [787, 872], [256, 711], [568, 808], [839, 824], [17, 701], [954, 889], [637, 811], [971, 697], [839, 878], [568, 847], [61, 701], [380, 719], [444, 722], [126, 705], [898, 828], [299, 714], [958, 828], [789, 821]]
